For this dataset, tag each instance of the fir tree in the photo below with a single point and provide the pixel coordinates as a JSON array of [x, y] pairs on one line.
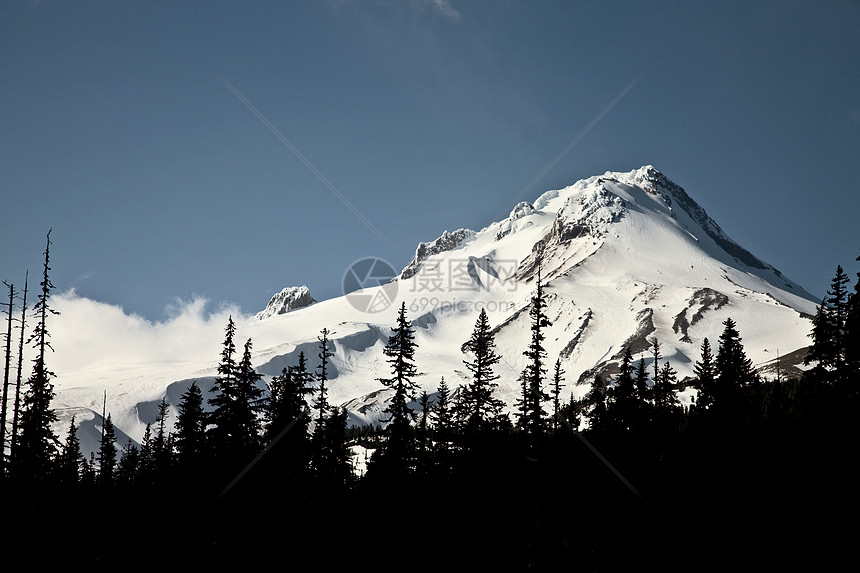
[[641, 382], [534, 395], [71, 458], [522, 403], [107, 454], [596, 403], [236, 405], [277, 418], [423, 428], [734, 370], [852, 335], [250, 404], [442, 419], [37, 444], [571, 411], [481, 409], [129, 464], [221, 418], [190, 427], [146, 458], [665, 393], [322, 406], [321, 454], [557, 378], [622, 402], [287, 417], [400, 353], [339, 467], [287, 403], [829, 328], [88, 471], [162, 452], [706, 373]]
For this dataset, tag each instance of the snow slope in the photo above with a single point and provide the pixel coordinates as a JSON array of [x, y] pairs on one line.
[[624, 256]]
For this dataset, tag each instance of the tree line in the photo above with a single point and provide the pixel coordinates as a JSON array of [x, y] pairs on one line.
[[259, 469]]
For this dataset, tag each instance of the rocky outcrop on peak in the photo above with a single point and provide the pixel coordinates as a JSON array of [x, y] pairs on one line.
[[446, 242], [289, 299]]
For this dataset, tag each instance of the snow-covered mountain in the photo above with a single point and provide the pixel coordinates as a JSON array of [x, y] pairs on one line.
[[624, 257]]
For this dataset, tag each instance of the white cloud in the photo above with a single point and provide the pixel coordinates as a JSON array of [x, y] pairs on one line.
[[91, 337]]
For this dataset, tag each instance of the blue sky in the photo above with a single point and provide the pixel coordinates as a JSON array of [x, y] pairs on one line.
[[128, 128]]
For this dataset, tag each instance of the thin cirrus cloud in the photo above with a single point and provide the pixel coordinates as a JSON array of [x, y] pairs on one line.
[[445, 8]]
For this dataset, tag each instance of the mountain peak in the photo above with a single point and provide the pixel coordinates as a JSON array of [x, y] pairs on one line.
[[624, 257], [289, 299]]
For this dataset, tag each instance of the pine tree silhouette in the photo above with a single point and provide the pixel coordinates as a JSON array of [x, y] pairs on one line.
[[532, 418], [107, 454], [190, 428], [4, 400], [706, 374], [480, 408], [37, 443], [400, 353], [71, 458]]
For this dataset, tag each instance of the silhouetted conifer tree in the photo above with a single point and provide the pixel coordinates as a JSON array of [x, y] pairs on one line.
[[163, 446], [400, 353], [852, 336], [235, 418], [665, 391], [829, 329], [107, 454], [533, 418], [221, 419], [321, 457], [706, 374], [643, 391], [734, 370], [146, 458], [190, 427], [622, 403], [325, 353], [4, 400], [480, 408], [71, 458], [289, 419], [557, 379], [88, 471], [19, 373], [128, 466], [37, 444], [596, 403], [339, 456], [572, 411], [443, 423], [250, 405]]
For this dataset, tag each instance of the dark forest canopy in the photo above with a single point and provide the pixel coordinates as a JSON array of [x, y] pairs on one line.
[[624, 475]]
